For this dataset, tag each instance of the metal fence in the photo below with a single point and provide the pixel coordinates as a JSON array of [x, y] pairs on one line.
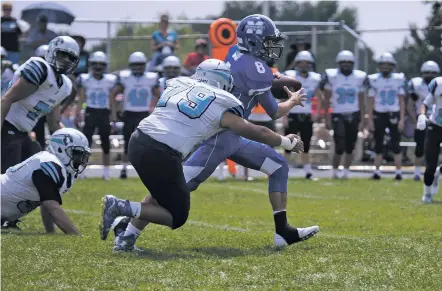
[[322, 35]]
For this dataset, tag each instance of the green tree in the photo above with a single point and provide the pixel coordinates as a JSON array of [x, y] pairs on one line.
[[410, 56]]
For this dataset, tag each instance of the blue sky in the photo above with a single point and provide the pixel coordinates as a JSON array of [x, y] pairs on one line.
[[371, 14]]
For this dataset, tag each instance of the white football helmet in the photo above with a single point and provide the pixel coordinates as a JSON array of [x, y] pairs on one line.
[[137, 63], [41, 51], [215, 73], [63, 54], [430, 66], [71, 147], [345, 56], [98, 57], [171, 67], [305, 56], [3, 52], [387, 58], [137, 58]]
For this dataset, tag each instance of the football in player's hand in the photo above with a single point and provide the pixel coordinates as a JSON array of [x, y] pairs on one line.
[[278, 86]]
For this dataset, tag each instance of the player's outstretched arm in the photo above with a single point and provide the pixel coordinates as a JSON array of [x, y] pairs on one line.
[[19, 90], [260, 133], [60, 218], [294, 99]]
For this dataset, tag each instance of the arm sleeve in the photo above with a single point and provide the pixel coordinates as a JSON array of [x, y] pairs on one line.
[[46, 187], [412, 91], [35, 72], [429, 100], [402, 87], [268, 102]]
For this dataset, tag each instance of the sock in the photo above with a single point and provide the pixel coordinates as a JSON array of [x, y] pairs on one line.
[[124, 166], [417, 171], [399, 172], [335, 172], [106, 171], [280, 217], [346, 172], [136, 209], [308, 168], [132, 230], [377, 172]]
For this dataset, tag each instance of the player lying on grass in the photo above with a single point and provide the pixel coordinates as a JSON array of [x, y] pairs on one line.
[[189, 111], [43, 179]]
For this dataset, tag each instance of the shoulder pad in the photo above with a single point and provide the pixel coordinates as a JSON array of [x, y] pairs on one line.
[[360, 74], [290, 73], [331, 72], [151, 75], [111, 77], [125, 73], [400, 76], [417, 81], [315, 76], [373, 76]]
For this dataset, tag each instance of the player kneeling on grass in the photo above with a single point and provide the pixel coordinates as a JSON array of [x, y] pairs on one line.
[[189, 111], [43, 178]]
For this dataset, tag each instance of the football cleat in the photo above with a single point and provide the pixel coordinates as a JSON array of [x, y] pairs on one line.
[[417, 178], [376, 177], [125, 243], [120, 224], [11, 225], [112, 207], [398, 177], [123, 174], [301, 234]]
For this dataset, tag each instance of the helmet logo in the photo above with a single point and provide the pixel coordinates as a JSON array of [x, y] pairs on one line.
[[68, 139], [254, 27], [59, 41]]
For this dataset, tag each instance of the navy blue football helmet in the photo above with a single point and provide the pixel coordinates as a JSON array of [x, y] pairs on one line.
[[258, 35]]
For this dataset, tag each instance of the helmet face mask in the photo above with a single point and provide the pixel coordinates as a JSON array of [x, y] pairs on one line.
[[428, 76], [98, 68], [79, 158], [137, 68], [303, 66], [346, 67], [272, 48], [171, 72], [386, 68], [65, 62]]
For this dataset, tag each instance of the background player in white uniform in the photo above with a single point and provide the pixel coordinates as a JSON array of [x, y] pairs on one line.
[[344, 89], [95, 89], [434, 138], [386, 109], [300, 119], [171, 69], [38, 88], [43, 179], [141, 93], [7, 70], [189, 111], [418, 91]]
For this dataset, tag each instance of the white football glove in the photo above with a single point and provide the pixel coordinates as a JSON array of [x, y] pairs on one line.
[[287, 144], [421, 122]]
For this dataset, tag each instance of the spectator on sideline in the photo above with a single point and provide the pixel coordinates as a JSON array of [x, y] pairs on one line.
[[40, 35], [10, 34], [195, 58], [83, 63], [299, 45], [164, 42]]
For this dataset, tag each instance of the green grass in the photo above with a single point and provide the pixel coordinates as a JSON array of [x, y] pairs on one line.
[[374, 236]]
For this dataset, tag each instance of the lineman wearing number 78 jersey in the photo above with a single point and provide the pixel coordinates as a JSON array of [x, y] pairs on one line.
[[189, 111]]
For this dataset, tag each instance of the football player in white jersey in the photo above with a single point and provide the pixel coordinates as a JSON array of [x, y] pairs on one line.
[[95, 89], [171, 69], [300, 119], [418, 91], [38, 88], [344, 88], [434, 138], [43, 179], [189, 111], [141, 93], [386, 109]]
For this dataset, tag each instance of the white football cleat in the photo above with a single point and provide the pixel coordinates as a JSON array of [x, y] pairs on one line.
[[303, 233], [427, 197]]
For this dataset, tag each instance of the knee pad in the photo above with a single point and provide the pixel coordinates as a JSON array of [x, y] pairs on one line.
[[278, 179]]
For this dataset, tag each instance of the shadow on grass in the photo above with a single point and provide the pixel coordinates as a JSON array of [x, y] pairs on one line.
[[204, 252]]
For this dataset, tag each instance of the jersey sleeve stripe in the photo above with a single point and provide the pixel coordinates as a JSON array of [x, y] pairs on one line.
[[50, 168], [35, 72], [432, 87], [49, 173], [238, 110]]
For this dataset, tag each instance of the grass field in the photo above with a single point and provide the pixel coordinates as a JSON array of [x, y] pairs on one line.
[[374, 236]]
